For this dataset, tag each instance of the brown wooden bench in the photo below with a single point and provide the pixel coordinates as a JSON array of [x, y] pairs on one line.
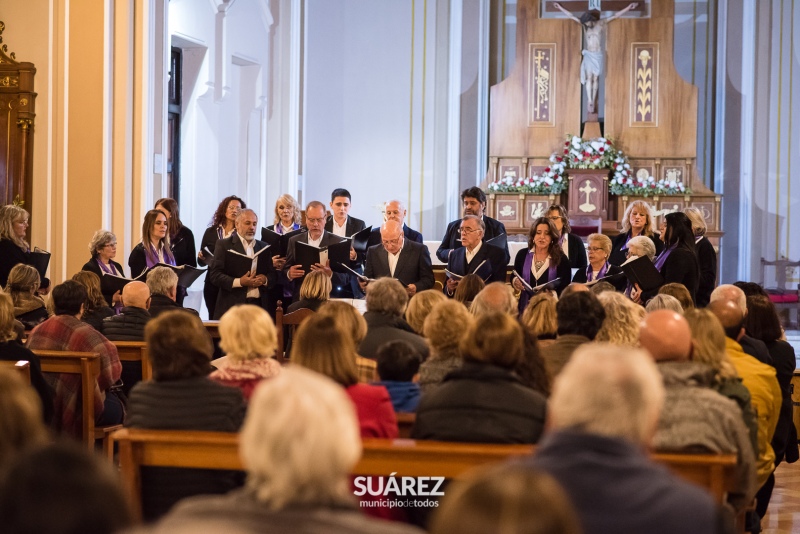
[[217, 450], [21, 367], [213, 329], [405, 422], [135, 351], [292, 321]]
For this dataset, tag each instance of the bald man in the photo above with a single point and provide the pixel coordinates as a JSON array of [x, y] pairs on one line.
[[400, 258], [495, 297], [758, 378], [129, 326], [394, 210], [695, 416], [750, 345]]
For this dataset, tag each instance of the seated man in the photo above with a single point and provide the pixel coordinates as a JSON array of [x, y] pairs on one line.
[[386, 304], [750, 345], [249, 287], [394, 210], [602, 414], [580, 316], [487, 261], [399, 258], [129, 326], [495, 297], [299, 443], [695, 417], [474, 200], [163, 285], [65, 331]]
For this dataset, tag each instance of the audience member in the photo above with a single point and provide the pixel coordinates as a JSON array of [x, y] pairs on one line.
[[531, 369], [505, 499], [751, 289], [473, 200], [103, 248], [323, 346], [573, 287], [600, 287], [63, 489], [21, 426], [407, 261], [22, 286], [443, 329], [129, 326], [96, 308], [540, 318], [571, 245], [752, 346], [420, 306], [602, 415], [474, 257], [314, 292], [249, 340], [680, 292], [580, 317], [65, 331], [542, 262], [758, 378], [163, 285], [182, 397], [222, 226], [299, 444], [495, 297], [706, 256], [623, 318], [694, 416], [386, 304], [468, 288], [664, 302], [398, 370], [11, 350], [484, 401], [637, 222], [350, 320]]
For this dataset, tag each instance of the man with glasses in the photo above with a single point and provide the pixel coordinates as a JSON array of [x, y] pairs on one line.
[[474, 202], [485, 260], [400, 258], [316, 237]]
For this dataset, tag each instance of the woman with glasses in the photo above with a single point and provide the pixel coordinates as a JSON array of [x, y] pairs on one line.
[[571, 245], [221, 227], [103, 248], [599, 250], [155, 245], [638, 220], [543, 262]]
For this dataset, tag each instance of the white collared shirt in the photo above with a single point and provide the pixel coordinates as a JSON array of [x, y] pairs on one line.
[[565, 245], [341, 231], [249, 249], [472, 254], [393, 260], [323, 255]]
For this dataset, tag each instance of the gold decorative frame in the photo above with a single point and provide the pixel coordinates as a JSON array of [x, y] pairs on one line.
[[644, 85], [541, 85]]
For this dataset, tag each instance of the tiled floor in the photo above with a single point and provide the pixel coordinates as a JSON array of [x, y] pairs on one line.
[[783, 514]]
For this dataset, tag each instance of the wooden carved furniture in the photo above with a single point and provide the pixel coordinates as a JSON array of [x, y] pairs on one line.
[[16, 127]]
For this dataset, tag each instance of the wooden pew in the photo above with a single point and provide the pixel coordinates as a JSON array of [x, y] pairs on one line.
[[217, 450], [21, 367], [85, 364], [405, 422], [135, 351], [213, 329]]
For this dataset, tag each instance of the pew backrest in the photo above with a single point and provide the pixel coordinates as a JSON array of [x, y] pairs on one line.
[[135, 351]]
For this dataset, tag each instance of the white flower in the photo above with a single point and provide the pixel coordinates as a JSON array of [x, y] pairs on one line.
[[672, 184]]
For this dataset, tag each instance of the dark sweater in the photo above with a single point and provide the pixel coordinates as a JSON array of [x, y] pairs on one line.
[[191, 404], [97, 316], [162, 303], [127, 326], [12, 351]]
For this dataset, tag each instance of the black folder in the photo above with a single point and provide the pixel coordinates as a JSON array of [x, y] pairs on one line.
[[238, 264], [186, 273], [279, 241], [642, 271], [40, 260], [359, 240], [499, 241], [111, 283], [307, 255]]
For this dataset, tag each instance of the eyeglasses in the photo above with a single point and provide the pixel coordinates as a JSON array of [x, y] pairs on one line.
[[594, 249], [555, 218], [315, 221], [112, 245], [467, 230], [391, 241]]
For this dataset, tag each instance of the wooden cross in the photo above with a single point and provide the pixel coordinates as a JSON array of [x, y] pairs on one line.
[[587, 206]]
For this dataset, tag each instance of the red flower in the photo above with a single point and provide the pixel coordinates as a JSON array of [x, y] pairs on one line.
[[559, 158], [566, 144], [602, 149], [547, 169], [566, 151], [652, 186]]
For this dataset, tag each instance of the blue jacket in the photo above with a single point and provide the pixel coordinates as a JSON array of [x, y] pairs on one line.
[[404, 395]]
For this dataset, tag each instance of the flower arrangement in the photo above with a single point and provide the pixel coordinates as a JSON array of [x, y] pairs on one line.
[[598, 153]]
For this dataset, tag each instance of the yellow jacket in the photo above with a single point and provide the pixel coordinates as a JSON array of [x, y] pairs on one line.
[[765, 395]]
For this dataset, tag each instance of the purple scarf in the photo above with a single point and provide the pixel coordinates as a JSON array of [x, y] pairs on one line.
[[526, 274], [151, 256], [662, 258], [279, 228], [600, 273], [108, 269]]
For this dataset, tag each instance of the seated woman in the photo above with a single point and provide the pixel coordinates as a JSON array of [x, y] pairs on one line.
[[443, 329], [323, 346], [468, 288], [423, 302], [182, 397], [315, 290], [11, 350], [637, 221], [484, 401], [249, 340], [542, 261], [680, 292], [96, 308], [22, 286], [599, 268], [299, 443], [678, 261], [621, 325], [103, 248], [571, 245], [706, 256], [350, 320]]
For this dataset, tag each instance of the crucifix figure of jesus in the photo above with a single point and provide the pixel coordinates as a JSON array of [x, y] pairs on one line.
[[593, 61]]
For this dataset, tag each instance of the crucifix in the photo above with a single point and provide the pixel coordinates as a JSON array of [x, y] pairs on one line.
[[587, 207], [593, 55]]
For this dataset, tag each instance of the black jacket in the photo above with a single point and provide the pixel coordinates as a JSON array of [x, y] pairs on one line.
[[618, 256], [382, 328], [707, 258], [577, 252], [481, 403], [12, 351], [162, 303], [338, 280], [349, 287], [681, 267], [10, 255], [452, 237], [93, 267], [411, 235], [229, 296], [413, 265], [127, 326], [96, 317], [183, 248], [495, 266]]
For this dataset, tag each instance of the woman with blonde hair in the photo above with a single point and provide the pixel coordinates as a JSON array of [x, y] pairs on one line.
[[314, 292], [249, 339], [638, 220], [540, 318], [680, 292], [155, 246], [324, 346], [422, 303], [95, 309], [708, 347], [350, 320], [443, 328], [29, 307], [14, 249], [287, 219], [621, 325]]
